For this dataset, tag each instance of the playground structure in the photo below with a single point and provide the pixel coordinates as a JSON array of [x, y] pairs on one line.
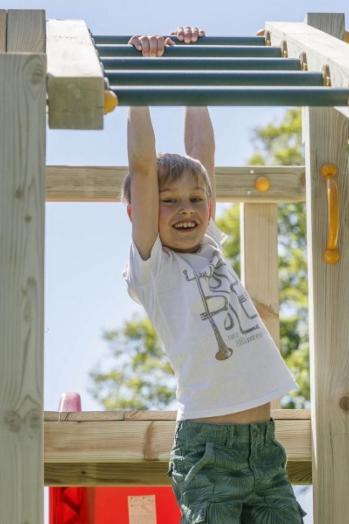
[[59, 65]]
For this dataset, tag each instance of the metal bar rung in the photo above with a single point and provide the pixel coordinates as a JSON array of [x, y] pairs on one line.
[[145, 63], [211, 78], [232, 96], [206, 40], [202, 51]]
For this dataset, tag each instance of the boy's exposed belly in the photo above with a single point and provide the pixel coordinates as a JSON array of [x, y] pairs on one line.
[[249, 416]]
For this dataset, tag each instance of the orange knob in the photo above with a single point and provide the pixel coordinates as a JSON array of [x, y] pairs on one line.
[[110, 101], [262, 183]]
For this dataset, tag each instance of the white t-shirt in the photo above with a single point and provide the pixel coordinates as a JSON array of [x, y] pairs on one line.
[[223, 357]]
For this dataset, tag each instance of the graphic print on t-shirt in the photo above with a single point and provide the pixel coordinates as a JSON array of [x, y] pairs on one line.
[[222, 294]]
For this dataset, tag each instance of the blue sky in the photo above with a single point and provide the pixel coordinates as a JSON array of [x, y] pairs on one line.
[[87, 244]]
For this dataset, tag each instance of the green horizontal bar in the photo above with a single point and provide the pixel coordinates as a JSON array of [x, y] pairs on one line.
[[232, 96], [218, 78], [201, 63], [195, 50], [206, 40]]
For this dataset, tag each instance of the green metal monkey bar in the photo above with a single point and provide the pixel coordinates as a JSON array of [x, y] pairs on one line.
[[216, 71]]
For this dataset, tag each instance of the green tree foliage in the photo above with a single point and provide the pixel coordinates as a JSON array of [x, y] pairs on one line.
[[140, 376]]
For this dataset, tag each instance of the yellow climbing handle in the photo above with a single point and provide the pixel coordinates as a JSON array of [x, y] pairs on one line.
[[331, 254]]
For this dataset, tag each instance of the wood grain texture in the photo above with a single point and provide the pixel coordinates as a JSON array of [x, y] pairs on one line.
[[84, 449], [75, 77], [333, 23], [136, 474], [233, 184], [108, 416], [327, 133], [259, 264], [3, 28], [22, 200], [320, 49], [26, 31]]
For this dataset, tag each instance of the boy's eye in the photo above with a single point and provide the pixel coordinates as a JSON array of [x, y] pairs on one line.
[[168, 200], [196, 199]]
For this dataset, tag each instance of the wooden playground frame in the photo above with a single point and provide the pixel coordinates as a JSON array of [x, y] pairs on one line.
[[132, 447]]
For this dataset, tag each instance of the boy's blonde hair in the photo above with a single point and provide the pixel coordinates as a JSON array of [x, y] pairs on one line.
[[170, 167]]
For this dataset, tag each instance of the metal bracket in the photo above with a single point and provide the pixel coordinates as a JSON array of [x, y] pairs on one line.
[[304, 62], [326, 75], [284, 50]]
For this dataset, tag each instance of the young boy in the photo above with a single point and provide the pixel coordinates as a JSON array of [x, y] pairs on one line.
[[226, 466]]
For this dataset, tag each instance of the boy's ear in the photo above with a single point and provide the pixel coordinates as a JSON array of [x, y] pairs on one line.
[[129, 211], [210, 209]]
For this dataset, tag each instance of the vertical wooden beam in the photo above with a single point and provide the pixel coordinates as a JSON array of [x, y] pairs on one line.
[[22, 200], [3, 22], [326, 141], [259, 264], [26, 31]]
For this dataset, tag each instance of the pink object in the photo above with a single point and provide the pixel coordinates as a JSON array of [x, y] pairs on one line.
[[71, 505], [70, 402]]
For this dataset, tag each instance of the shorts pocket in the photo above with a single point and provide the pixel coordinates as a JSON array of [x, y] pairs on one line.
[[205, 460]]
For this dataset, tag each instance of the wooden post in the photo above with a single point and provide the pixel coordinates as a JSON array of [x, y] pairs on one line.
[[326, 141], [3, 21], [22, 199], [259, 264]]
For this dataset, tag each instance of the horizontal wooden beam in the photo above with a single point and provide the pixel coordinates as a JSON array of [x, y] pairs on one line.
[[320, 49], [75, 80], [234, 184], [132, 448]]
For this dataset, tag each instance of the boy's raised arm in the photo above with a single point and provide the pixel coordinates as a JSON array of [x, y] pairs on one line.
[[144, 181], [200, 144]]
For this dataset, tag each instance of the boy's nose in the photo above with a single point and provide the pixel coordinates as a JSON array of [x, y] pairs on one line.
[[186, 208], [186, 212]]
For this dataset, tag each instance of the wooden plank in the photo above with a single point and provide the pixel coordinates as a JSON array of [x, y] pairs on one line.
[[3, 27], [22, 201], [327, 136], [26, 31], [259, 264], [84, 449], [234, 184], [136, 474], [108, 416], [320, 49], [75, 77]]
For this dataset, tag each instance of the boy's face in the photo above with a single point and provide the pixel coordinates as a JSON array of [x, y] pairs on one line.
[[184, 213]]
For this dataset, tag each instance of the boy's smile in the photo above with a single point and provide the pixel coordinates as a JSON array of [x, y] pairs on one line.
[[184, 213]]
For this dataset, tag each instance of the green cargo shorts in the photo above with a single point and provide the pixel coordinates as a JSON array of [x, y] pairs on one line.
[[231, 474]]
